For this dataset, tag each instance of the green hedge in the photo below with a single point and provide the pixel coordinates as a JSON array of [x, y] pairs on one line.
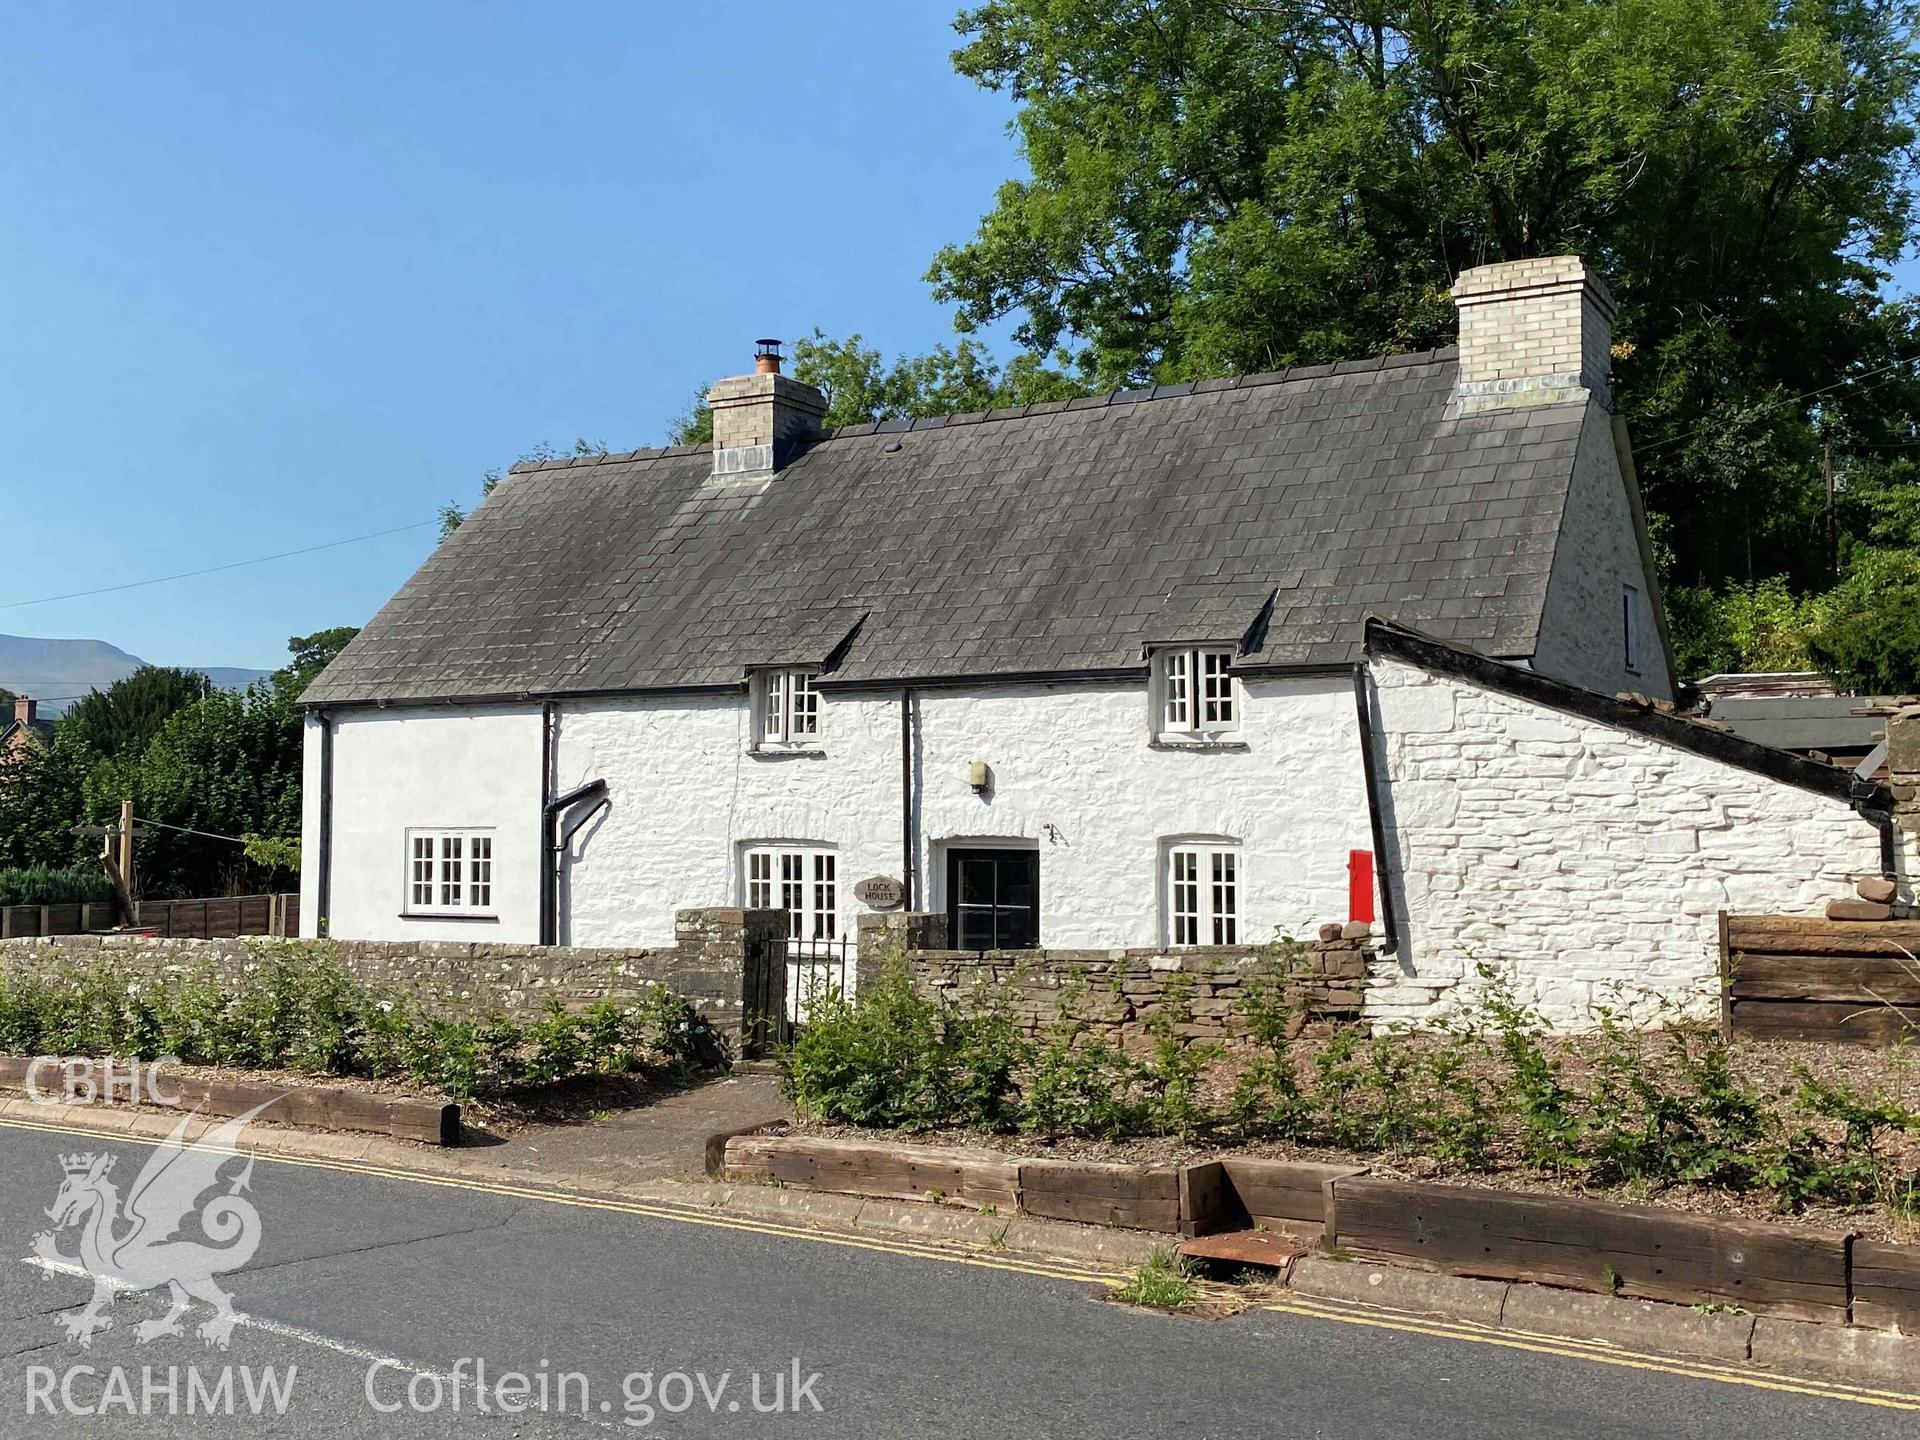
[[299, 1009], [47, 885]]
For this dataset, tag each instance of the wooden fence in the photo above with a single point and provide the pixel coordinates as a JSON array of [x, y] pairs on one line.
[[1794, 977], [212, 919]]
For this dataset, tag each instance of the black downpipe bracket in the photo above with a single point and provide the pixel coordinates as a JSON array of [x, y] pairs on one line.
[[1882, 821], [323, 885], [906, 800], [555, 842], [1382, 870]]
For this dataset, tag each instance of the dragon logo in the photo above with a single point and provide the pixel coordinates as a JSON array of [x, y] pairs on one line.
[[138, 1245]]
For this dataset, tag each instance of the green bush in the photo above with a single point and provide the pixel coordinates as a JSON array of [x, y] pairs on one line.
[[298, 1009], [54, 885], [1083, 1085], [1651, 1108], [886, 1059]]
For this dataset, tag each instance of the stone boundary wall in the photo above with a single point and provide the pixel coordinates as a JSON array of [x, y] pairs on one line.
[[1122, 991], [706, 964]]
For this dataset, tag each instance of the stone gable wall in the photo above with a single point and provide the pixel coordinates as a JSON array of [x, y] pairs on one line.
[[1587, 861]]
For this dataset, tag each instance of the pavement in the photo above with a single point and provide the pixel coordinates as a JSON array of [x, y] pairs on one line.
[[378, 1294], [662, 1141]]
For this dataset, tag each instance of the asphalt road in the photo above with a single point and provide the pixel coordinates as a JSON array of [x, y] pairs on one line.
[[358, 1274]]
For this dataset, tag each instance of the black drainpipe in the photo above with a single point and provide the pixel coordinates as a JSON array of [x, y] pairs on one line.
[[546, 823], [1381, 874], [1882, 821], [906, 800], [323, 887]]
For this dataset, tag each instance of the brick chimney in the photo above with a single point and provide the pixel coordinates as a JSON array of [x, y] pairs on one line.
[[25, 711], [760, 420], [1533, 332]]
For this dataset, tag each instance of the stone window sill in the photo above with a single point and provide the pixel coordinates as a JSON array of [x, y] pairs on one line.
[[1218, 746], [770, 752], [469, 916]]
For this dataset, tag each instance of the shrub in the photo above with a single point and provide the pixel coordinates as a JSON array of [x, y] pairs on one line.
[[298, 1009], [1082, 1085], [1550, 1123], [883, 1060], [1850, 1169], [989, 1054], [54, 885], [1170, 1082]]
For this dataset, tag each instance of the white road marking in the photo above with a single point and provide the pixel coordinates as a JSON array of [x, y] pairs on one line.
[[298, 1333]]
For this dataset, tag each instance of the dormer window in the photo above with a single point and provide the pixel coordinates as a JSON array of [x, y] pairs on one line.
[[787, 707], [1194, 692]]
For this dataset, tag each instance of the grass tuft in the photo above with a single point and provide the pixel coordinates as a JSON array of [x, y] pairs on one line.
[[1163, 1282]]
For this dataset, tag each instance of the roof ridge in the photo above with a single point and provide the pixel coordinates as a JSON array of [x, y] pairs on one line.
[[1407, 361]]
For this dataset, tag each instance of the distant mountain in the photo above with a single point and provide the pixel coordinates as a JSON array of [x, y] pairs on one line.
[[47, 669]]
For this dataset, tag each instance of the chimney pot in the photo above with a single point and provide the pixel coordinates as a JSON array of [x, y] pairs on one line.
[[766, 357], [1533, 332]]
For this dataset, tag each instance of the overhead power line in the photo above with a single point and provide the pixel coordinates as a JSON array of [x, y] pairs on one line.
[[1772, 405], [189, 830], [216, 569]]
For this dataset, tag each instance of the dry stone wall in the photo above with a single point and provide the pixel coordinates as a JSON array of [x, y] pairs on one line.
[[1121, 992], [704, 965]]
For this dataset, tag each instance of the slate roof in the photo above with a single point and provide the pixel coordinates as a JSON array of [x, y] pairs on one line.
[[1833, 723], [1060, 538]]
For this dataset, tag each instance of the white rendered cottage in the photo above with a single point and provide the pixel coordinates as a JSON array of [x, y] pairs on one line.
[[1170, 667]]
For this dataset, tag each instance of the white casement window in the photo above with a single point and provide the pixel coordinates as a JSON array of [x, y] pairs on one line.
[[1630, 625], [1203, 893], [804, 881], [787, 704], [1195, 695], [449, 872]]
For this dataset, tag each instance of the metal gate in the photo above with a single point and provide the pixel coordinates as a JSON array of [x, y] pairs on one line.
[[816, 969]]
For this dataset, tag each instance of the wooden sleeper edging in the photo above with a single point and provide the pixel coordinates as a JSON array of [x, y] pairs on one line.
[[310, 1107], [1596, 1246]]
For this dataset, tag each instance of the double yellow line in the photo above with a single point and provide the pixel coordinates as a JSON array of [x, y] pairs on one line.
[[1303, 1307], [1598, 1351]]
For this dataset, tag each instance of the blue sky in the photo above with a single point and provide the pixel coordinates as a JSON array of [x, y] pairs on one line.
[[273, 275]]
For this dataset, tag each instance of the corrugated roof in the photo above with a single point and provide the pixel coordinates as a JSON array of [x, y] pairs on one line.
[[1060, 538]]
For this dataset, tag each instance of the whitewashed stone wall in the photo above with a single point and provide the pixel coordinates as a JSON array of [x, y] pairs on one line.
[[448, 767], [1073, 775], [1585, 860], [1073, 778], [688, 798], [1582, 635]]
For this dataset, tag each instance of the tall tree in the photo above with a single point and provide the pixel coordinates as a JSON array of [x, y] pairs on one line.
[[1234, 185], [311, 654], [121, 719], [861, 386], [451, 514]]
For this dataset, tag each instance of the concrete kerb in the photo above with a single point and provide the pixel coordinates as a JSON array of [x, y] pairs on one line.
[[1418, 1291], [1634, 1324], [1840, 1352]]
